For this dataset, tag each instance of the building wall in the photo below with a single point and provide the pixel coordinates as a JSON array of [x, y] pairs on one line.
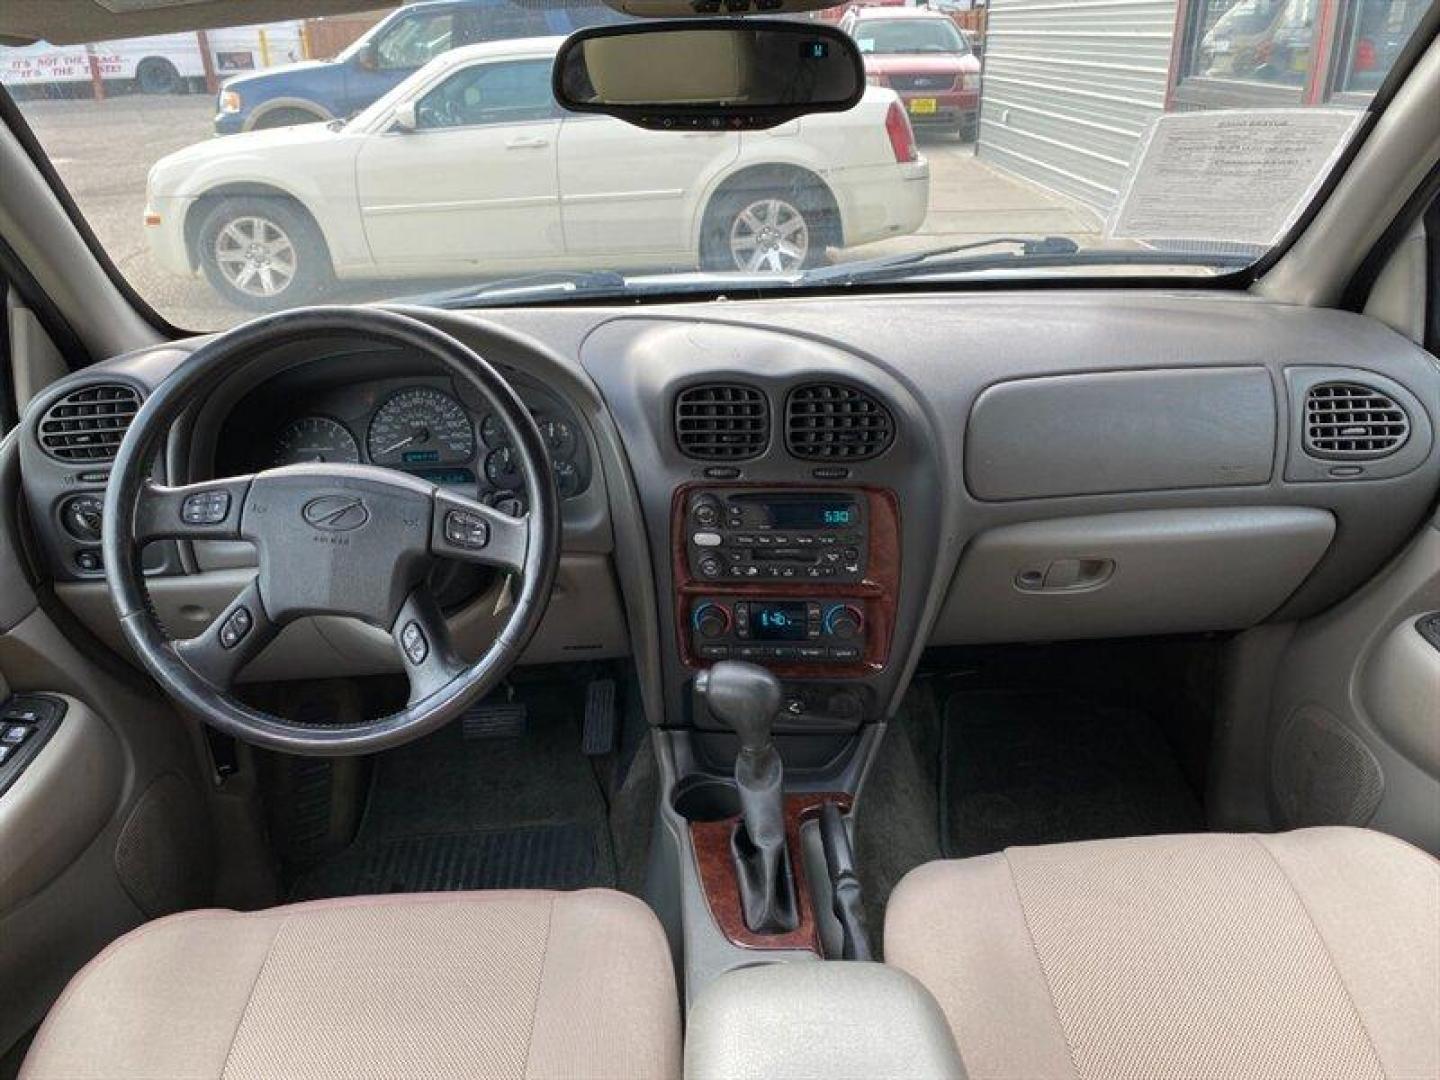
[[1069, 87]]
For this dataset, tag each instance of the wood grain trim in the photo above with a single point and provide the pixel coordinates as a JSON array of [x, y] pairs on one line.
[[880, 589], [711, 840]]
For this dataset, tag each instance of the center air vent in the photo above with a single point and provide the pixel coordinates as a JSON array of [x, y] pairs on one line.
[[1349, 421], [88, 424], [722, 422], [836, 423]]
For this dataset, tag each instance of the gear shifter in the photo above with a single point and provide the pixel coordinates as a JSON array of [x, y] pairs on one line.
[[747, 697]]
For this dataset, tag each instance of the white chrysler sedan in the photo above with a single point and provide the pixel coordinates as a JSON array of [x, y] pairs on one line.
[[469, 167]]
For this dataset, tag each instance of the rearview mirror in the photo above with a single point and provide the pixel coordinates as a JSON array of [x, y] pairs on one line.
[[405, 119], [712, 74]]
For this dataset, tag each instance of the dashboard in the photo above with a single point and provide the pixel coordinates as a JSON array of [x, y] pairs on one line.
[[825, 488]]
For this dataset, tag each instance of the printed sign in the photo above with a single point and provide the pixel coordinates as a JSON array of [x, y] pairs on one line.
[[1229, 176]]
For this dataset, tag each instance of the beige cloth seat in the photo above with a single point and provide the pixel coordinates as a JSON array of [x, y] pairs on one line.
[[1312, 954], [474, 985]]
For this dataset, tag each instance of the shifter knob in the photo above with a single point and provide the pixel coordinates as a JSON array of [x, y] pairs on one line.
[[744, 696]]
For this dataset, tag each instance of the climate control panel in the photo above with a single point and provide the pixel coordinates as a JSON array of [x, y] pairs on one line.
[[782, 630]]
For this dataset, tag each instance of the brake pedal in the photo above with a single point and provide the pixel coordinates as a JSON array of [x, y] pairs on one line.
[[506, 720], [599, 732]]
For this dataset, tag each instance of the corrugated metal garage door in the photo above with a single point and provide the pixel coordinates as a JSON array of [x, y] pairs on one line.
[[1069, 88]]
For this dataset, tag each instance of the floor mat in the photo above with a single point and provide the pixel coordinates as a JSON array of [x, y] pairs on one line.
[[450, 812], [535, 857], [1039, 768]]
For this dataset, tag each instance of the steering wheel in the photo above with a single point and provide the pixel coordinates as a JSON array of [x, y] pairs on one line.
[[332, 539]]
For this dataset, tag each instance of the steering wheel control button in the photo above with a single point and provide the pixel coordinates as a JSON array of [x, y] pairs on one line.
[[89, 562], [14, 735], [466, 530], [205, 508], [235, 627], [412, 640]]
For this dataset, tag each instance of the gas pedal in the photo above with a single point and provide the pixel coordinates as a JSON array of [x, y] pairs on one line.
[[599, 734]]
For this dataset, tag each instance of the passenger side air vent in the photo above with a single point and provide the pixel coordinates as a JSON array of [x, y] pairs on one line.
[[722, 422], [836, 423], [88, 424], [1348, 421]]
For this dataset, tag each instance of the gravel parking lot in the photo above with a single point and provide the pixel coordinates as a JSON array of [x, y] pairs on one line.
[[103, 150]]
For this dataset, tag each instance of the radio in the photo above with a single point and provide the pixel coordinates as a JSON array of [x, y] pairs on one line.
[[741, 535], [790, 631]]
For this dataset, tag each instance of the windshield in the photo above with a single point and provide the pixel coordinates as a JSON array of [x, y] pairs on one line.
[[416, 152], [884, 36]]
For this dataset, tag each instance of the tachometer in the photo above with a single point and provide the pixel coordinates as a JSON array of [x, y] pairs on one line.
[[315, 438], [421, 426]]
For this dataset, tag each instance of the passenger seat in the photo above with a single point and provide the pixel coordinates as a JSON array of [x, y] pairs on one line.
[[1306, 954]]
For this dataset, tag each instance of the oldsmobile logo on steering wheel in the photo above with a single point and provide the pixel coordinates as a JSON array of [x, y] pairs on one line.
[[335, 513]]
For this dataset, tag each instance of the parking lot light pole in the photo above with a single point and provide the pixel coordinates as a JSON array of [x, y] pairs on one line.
[[207, 61], [97, 83]]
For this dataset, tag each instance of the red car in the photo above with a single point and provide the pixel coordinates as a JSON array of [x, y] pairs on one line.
[[923, 57]]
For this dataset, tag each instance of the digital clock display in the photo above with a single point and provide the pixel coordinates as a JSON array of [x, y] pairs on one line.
[[813, 515], [778, 621], [447, 477]]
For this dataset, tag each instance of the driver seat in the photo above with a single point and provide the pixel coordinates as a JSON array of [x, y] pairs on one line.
[[479, 984]]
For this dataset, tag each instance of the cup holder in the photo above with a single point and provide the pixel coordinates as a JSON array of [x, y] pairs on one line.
[[705, 798]]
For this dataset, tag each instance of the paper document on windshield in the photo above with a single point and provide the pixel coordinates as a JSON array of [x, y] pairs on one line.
[[1233, 176]]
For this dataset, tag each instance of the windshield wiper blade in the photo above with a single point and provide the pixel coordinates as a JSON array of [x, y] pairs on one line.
[[1042, 251], [863, 269], [545, 281]]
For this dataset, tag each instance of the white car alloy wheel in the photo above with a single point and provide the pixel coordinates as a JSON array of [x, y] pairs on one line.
[[769, 235], [256, 256]]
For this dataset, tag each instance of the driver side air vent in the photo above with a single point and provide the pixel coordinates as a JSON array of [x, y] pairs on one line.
[[721, 422], [836, 422], [1348, 421], [88, 424]]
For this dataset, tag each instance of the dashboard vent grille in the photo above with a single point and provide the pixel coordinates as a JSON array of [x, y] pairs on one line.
[[721, 422], [88, 424], [1348, 421], [836, 422]]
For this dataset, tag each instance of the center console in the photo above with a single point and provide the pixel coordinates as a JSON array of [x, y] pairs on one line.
[[811, 1021]]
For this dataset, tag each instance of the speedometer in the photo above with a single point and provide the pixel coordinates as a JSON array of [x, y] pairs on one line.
[[314, 438], [421, 426]]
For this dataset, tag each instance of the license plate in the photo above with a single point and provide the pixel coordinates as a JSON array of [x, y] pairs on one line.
[[922, 106]]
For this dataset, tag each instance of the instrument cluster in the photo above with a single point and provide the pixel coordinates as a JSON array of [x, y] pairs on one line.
[[425, 429]]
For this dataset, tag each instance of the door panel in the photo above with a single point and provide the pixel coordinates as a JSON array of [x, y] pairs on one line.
[[1355, 715], [1401, 687], [476, 182], [80, 794], [611, 207]]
